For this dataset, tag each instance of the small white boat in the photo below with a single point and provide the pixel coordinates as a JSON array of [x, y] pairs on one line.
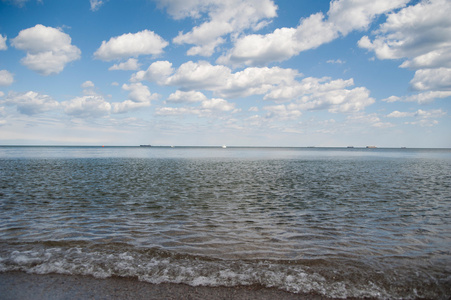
[[224, 146]]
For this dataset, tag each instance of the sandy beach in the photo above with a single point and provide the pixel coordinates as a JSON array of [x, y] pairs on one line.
[[19, 285]]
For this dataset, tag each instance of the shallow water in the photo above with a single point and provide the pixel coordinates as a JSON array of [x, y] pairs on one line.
[[338, 222]]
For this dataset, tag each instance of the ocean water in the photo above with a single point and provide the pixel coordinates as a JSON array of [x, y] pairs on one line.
[[330, 221]]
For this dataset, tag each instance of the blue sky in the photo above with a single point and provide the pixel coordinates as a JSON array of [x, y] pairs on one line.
[[214, 72]]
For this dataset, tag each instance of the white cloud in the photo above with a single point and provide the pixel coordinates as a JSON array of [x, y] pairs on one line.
[[3, 43], [337, 101], [186, 97], [420, 98], [224, 83], [420, 33], [31, 103], [89, 88], [95, 4], [130, 65], [87, 84], [349, 15], [224, 17], [201, 75], [423, 117], [344, 16], [90, 106], [145, 42], [177, 111], [276, 84], [256, 81], [282, 112], [48, 49], [432, 79], [139, 93], [398, 114], [6, 78], [217, 104], [206, 108], [336, 61], [322, 94], [158, 71], [282, 44], [372, 120], [127, 105], [93, 105], [307, 86]]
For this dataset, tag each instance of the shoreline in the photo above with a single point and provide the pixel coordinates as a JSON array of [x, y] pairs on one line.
[[21, 285]]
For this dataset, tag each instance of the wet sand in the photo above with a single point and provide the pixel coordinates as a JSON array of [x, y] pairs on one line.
[[23, 286]]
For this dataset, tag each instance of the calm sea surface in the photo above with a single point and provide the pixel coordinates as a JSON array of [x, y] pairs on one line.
[[337, 222]]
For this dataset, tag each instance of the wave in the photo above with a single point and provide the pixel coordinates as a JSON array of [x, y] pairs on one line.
[[156, 265]]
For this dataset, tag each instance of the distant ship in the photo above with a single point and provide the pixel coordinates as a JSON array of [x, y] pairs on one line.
[[371, 147], [145, 145], [350, 147], [224, 146]]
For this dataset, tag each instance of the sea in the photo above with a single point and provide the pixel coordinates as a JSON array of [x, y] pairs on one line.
[[335, 222]]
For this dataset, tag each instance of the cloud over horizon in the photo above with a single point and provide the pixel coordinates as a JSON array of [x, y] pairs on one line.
[[304, 72]]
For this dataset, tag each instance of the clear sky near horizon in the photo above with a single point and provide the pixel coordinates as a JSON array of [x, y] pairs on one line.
[[237, 72]]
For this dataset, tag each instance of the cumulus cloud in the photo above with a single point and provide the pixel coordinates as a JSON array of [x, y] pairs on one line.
[[276, 84], [90, 106], [432, 79], [6, 78], [335, 101], [282, 44], [186, 97], [324, 93], [88, 88], [218, 78], [343, 17], [30, 103], [420, 33], [3, 42], [130, 65], [139, 93], [48, 49], [257, 81], [87, 84], [158, 71], [145, 42], [93, 105], [283, 112], [217, 104], [306, 86], [200, 75], [349, 15], [434, 113], [372, 120], [420, 98], [206, 108], [223, 18], [423, 117], [127, 105]]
